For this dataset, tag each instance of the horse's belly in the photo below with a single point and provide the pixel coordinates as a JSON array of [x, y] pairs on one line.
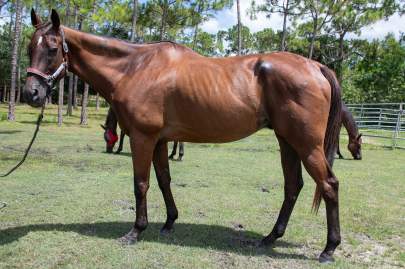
[[212, 124]]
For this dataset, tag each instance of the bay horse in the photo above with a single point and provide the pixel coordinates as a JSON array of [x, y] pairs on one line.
[[111, 137], [355, 141], [164, 92]]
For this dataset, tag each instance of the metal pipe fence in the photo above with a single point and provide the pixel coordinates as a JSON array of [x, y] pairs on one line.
[[381, 120]]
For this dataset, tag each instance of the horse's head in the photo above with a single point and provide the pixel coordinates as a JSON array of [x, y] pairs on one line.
[[110, 137], [47, 53], [355, 147]]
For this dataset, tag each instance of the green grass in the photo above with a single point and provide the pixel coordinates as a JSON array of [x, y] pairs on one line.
[[70, 201]]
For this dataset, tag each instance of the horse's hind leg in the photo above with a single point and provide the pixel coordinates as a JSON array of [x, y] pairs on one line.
[[327, 187], [174, 150], [121, 143], [293, 184], [181, 151], [161, 164], [338, 149]]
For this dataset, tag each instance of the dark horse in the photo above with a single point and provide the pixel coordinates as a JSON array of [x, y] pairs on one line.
[[164, 92], [349, 123], [111, 137]]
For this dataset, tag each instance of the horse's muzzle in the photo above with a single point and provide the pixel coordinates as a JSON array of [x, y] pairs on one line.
[[34, 92]]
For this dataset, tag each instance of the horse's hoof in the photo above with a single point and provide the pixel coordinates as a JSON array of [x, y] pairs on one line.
[[267, 241], [128, 239], [166, 231], [326, 258]]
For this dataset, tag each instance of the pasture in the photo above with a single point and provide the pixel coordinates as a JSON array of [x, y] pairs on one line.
[[69, 202]]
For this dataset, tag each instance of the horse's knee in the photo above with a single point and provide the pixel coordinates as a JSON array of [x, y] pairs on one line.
[[141, 188]]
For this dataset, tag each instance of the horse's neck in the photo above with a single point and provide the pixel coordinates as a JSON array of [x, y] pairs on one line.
[[101, 62], [350, 125], [111, 120]]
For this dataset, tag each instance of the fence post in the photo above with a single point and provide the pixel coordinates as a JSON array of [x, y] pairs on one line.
[[397, 126], [379, 118]]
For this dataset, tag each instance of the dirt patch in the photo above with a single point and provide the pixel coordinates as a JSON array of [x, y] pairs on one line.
[[124, 205], [240, 239], [2, 205], [368, 251], [224, 260]]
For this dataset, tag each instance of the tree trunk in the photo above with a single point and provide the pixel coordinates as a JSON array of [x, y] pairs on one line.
[[134, 18], [60, 101], [7, 95], [14, 61], [69, 111], [4, 92], [195, 36], [284, 34], [239, 28], [76, 78], [83, 116], [341, 55], [163, 21], [97, 101], [67, 14], [312, 41], [18, 97]]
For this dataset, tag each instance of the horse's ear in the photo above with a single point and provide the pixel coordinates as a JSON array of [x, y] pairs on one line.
[[102, 126], [55, 20], [35, 19]]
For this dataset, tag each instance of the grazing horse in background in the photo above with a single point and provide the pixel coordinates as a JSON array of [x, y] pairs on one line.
[[110, 133], [111, 137], [355, 141], [174, 151], [164, 92]]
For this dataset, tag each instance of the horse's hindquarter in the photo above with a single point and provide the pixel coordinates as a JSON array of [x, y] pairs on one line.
[[213, 100], [297, 96]]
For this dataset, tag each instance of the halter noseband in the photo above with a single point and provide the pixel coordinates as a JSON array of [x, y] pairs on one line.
[[50, 79]]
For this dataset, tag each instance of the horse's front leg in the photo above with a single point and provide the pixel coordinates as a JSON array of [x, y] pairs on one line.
[[142, 147], [121, 143]]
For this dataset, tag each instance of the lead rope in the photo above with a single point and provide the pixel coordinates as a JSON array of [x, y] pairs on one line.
[[39, 120]]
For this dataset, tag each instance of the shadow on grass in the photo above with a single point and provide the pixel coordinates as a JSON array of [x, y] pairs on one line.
[[10, 132], [186, 234]]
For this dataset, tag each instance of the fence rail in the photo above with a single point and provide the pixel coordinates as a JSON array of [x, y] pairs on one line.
[[381, 120]]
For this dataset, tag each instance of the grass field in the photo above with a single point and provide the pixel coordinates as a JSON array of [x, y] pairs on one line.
[[69, 202]]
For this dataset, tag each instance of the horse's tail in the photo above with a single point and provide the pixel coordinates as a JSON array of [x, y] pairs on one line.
[[332, 129]]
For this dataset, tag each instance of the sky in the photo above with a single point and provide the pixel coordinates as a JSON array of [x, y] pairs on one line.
[[226, 18]]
